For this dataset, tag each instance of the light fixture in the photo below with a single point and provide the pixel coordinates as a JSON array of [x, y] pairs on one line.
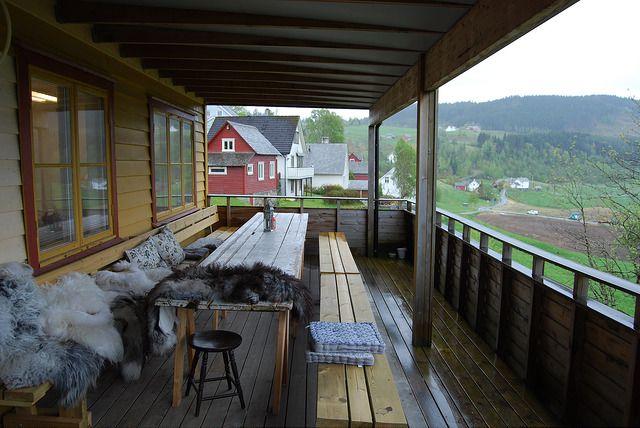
[[40, 97]]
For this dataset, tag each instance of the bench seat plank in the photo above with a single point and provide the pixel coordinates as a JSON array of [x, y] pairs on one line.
[[372, 395], [332, 402]]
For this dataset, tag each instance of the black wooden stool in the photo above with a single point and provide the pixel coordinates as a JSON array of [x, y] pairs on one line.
[[214, 341]]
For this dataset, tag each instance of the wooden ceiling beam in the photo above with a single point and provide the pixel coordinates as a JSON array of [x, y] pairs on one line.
[[268, 102], [429, 3], [278, 92], [489, 26], [209, 86], [287, 97], [215, 54], [203, 77], [108, 33], [79, 11], [167, 66]]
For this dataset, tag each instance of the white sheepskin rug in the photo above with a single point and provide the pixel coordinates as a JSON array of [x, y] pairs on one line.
[[77, 309], [128, 278]]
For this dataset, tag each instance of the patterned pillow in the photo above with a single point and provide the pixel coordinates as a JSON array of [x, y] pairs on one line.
[[168, 247], [145, 256]]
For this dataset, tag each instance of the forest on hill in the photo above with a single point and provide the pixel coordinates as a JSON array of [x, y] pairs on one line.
[[604, 115]]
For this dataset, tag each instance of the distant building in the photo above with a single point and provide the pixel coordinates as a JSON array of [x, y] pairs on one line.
[[388, 184], [362, 186], [330, 164], [242, 161], [285, 134], [474, 128], [354, 158], [360, 170], [519, 183], [450, 128], [468, 185]]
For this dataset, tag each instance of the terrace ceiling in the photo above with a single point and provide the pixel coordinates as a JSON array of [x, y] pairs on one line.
[[306, 53]]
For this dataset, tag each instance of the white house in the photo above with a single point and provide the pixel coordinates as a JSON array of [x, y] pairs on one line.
[[330, 163], [285, 133], [450, 128], [473, 185], [388, 184], [519, 183]]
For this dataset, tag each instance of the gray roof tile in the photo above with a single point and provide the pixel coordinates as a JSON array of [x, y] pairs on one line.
[[229, 159], [326, 159], [255, 139], [279, 130]]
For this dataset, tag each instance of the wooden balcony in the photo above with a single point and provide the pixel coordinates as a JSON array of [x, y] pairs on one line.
[[458, 381]]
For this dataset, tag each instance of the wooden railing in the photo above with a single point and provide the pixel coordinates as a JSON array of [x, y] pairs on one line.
[[580, 356]]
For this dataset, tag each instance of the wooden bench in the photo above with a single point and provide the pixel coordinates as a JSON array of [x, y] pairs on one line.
[[351, 395], [186, 229], [19, 409]]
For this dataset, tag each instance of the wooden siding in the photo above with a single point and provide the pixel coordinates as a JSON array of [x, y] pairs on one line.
[[11, 216]]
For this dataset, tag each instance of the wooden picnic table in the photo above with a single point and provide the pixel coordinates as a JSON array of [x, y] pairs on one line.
[[282, 248]]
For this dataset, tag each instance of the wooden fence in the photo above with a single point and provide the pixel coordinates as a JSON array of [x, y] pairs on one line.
[[580, 356]]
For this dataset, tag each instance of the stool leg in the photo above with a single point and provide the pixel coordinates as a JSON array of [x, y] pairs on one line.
[[203, 376], [227, 372], [236, 378], [192, 372]]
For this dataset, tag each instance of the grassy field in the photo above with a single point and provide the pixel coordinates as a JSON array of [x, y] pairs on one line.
[[550, 198], [457, 201], [625, 302]]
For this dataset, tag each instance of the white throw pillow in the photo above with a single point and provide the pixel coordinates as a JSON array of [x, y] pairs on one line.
[[168, 247], [145, 256]]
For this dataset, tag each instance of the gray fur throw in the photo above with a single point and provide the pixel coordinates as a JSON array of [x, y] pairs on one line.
[[27, 356], [236, 284]]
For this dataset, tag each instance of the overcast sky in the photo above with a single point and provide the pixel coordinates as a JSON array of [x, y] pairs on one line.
[[590, 48]]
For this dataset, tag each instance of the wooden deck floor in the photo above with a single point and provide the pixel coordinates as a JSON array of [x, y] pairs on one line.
[[456, 382]]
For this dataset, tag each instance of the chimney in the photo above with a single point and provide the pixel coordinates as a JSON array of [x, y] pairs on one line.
[[325, 140]]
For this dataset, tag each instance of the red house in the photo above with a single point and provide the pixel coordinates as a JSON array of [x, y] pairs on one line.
[[354, 158], [242, 161]]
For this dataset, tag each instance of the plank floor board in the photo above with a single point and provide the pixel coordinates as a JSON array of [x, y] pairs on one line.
[[457, 382]]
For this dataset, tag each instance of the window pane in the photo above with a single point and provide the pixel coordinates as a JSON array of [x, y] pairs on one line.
[[51, 121], [92, 137], [95, 200], [176, 185], [161, 187], [160, 137], [174, 140], [187, 146], [187, 179], [54, 204]]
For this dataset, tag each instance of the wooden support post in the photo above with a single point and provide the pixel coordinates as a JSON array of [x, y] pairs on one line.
[[301, 209], [464, 269], [482, 280], [535, 312], [425, 228], [505, 297], [574, 369], [228, 211], [338, 215], [372, 190]]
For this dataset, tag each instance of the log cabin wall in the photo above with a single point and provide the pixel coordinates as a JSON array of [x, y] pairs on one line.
[[582, 360], [133, 90], [11, 216]]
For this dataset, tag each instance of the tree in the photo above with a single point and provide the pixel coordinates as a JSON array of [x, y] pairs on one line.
[[241, 111], [405, 172], [323, 123]]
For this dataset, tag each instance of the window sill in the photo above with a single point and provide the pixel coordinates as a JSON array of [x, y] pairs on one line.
[[74, 257]]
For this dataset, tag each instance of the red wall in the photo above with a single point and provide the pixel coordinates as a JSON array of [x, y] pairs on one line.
[[360, 176], [237, 181]]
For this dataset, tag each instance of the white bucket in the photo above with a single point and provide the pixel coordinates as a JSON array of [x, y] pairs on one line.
[[402, 253]]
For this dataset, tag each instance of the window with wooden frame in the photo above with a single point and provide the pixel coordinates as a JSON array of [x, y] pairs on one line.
[[272, 169], [218, 170], [67, 160], [173, 161], [250, 169], [260, 171], [228, 145]]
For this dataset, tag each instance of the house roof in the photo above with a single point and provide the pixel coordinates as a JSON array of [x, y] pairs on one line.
[[327, 159], [389, 173], [358, 185], [229, 159], [279, 130], [255, 139], [359, 167]]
